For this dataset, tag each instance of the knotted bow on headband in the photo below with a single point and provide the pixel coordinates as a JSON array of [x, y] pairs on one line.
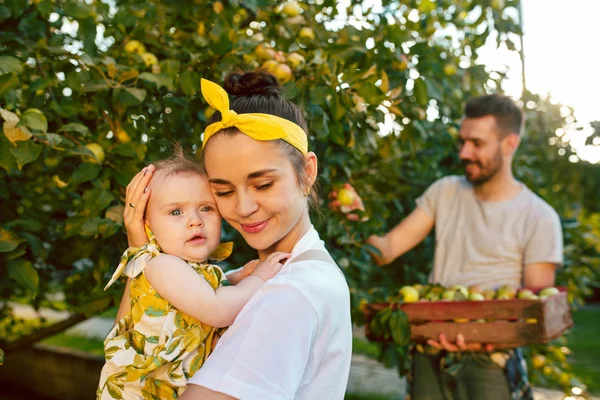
[[257, 126]]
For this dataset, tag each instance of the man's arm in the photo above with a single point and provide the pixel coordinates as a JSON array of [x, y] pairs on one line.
[[539, 275], [403, 237]]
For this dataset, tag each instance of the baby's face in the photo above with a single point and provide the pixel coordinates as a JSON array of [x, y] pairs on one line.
[[183, 216]]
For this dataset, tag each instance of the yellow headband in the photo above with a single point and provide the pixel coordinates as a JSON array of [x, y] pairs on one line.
[[257, 126]]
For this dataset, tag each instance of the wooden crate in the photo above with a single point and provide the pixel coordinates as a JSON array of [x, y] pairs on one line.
[[508, 323]]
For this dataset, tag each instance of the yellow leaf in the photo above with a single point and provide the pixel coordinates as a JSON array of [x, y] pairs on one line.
[[11, 131], [396, 111], [370, 72], [127, 75], [385, 82], [396, 92]]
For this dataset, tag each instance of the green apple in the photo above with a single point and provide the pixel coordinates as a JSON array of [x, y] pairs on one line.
[[461, 292], [420, 288], [448, 295], [292, 9], [476, 297], [507, 291], [409, 294], [526, 294], [98, 152], [296, 60], [549, 291]]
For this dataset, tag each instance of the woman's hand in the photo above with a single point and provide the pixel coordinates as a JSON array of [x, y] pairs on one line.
[[460, 344], [136, 199]]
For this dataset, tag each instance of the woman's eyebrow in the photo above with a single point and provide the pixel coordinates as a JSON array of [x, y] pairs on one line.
[[219, 181], [252, 175], [260, 173]]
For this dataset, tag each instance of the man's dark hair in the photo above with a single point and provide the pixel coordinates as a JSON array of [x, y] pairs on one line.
[[509, 117]]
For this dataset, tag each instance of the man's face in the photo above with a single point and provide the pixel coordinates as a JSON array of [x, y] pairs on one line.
[[480, 149]]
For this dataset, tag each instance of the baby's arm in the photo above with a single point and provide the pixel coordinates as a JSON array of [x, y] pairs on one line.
[[183, 287]]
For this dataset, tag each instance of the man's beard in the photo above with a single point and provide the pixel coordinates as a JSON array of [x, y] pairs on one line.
[[487, 171]]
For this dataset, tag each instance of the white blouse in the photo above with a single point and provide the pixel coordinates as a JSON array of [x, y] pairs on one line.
[[292, 340]]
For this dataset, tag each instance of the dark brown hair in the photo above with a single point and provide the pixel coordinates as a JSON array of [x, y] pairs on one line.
[[509, 117], [259, 92]]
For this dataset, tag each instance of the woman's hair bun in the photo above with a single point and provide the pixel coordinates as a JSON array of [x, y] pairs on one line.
[[261, 82]]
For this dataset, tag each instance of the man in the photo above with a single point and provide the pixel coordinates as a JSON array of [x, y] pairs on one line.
[[491, 230]]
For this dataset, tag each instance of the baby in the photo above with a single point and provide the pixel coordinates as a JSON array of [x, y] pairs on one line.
[[178, 301]]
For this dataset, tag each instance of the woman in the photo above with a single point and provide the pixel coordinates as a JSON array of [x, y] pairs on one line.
[[293, 339]]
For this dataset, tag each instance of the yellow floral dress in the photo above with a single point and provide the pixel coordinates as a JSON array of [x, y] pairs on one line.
[[155, 348]]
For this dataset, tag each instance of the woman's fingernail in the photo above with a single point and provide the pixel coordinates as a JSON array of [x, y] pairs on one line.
[[145, 190], [145, 171]]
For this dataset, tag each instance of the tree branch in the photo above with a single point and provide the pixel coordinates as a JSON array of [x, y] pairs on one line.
[[42, 333]]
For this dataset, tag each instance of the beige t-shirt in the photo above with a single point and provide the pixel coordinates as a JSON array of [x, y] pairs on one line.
[[488, 243]]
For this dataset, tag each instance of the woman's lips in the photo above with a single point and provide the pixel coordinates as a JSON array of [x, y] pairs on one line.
[[255, 228]]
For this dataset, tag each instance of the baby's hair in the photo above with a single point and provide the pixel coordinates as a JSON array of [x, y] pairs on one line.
[[178, 163]]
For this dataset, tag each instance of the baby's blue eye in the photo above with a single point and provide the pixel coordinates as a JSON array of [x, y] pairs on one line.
[[205, 209], [176, 213]]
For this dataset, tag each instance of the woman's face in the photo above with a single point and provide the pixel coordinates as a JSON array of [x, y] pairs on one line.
[[257, 191]]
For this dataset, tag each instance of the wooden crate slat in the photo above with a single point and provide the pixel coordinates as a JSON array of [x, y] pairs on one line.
[[484, 332], [491, 309], [506, 322], [556, 316]]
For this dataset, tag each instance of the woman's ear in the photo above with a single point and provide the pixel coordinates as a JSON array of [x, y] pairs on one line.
[[310, 167]]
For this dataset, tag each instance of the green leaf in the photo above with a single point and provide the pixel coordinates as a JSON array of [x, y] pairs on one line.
[[77, 9], [26, 152], [85, 172], [160, 80], [34, 119], [1, 356], [10, 64], [7, 161], [75, 127], [24, 273], [73, 225], [170, 67], [130, 96], [420, 91], [96, 200], [8, 82], [8, 241], [20, 251], [189, 82], [400, 327]]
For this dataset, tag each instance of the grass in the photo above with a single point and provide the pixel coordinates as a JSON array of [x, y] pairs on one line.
[[583, 342], [366, 348], [89, 345]]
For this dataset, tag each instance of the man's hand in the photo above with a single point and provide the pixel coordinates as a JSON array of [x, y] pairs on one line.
[[381, 244], [460, 344], [347, 200]]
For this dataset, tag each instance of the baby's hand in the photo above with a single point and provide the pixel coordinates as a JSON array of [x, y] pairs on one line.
[[249, 267], [271, 266]]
